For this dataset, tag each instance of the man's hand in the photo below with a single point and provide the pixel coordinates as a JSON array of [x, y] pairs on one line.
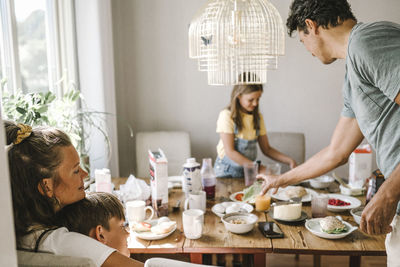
[[378, 215], [270, 181]]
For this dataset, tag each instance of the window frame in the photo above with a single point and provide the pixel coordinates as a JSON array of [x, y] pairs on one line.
[[60, 43]]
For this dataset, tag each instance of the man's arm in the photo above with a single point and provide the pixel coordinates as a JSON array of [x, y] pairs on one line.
[[346, 137], [397, 99], [117, 259], [379, 212]]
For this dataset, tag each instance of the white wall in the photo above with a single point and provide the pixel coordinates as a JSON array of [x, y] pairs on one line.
[[8, 256], [96, 76], [159, 88]]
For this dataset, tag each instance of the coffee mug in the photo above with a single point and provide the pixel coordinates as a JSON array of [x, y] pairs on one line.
[[136, 211], [193, 220], [196, 200]]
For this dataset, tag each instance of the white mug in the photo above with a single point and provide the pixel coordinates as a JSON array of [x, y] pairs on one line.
[[196, 200], [136, 211], [193, 221]]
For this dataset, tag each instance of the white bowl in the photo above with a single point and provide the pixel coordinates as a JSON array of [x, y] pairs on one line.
[[356, 212], [321, 182], [243, 228]]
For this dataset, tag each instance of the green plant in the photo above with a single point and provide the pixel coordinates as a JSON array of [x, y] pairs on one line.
[[68, 113]]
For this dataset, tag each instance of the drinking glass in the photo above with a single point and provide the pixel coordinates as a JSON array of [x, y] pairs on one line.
[[250, 173], [319, 205], [273, 168]]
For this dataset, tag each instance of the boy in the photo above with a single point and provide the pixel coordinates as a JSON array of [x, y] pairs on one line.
[[100, 216]]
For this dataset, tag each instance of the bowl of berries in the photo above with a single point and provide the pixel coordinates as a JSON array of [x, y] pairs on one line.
[[339, 203]]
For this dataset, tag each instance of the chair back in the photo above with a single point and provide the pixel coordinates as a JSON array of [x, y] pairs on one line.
[[291, 144], [175, 145]]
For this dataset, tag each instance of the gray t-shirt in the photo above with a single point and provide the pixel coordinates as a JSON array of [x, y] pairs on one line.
[[372, 81]]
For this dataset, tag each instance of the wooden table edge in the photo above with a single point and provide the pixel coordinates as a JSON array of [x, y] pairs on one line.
[[216, 250], [329, 252], [155, 250]]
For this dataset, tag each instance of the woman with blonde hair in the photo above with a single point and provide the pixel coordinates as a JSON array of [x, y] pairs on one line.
[[241, 126]]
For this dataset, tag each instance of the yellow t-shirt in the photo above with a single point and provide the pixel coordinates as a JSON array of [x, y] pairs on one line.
[[225, 124]]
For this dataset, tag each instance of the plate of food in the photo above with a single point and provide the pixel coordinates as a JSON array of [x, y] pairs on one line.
[[329, 227], [223, 208], [153, 229], [338, 202], [248, 195], [287, 193]]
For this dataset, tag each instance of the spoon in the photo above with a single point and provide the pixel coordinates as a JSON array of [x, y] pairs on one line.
[[337, 178]]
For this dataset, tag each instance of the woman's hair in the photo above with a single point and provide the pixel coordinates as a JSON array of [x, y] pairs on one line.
[[234, 106], [35, 157], [86, 214], [324, 12]]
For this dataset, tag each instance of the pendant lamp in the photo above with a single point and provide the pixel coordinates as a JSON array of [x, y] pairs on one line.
[[237, 41]]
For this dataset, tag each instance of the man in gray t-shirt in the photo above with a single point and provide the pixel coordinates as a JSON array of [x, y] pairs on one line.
[[329, 31]]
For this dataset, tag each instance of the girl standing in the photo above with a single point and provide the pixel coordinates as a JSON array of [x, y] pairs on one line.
[[241, 127]]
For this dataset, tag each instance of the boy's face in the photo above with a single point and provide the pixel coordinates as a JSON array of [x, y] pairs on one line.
[[117, 236]]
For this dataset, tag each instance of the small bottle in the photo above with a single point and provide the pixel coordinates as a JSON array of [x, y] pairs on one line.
[[208, 178]]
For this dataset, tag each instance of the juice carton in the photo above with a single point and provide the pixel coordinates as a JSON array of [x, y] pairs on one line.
[[360, 166], [103, 180], [159, 181]]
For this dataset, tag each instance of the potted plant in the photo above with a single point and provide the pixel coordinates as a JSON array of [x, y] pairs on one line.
[[68, 113]]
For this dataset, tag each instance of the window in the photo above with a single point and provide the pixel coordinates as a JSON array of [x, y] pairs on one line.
[[37, 42]]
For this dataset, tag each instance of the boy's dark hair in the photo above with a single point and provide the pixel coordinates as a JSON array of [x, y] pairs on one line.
[[96, 209], [324, 12]]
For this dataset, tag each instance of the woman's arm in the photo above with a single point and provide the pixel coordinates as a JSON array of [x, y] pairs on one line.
[[228, 141], [117, 259], [271, 152]]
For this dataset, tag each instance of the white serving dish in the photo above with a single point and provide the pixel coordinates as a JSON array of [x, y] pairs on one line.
[[356, 213], [150, 235], [314, 227], [280, 195], [250, 219], [321, 182], [354, 203], [351, 191], [221, 209]]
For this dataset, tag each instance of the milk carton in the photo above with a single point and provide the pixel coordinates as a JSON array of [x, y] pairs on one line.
[[191, 176], [103, 180], [360, 166], [159, 181]]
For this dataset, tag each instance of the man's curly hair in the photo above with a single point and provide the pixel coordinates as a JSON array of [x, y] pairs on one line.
[[326, 13]]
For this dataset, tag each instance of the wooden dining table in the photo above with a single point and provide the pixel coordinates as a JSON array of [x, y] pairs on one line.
[[217, 240]]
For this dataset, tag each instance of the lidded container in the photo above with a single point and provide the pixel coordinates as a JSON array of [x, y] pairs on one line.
[[191, 176], [208, 178]]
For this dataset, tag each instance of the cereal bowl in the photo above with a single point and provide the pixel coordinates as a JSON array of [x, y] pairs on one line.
[[239, 223], [356, 212]]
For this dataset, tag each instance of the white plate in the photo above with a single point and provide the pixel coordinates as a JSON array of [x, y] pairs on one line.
[[354, 202], [244, 206], [314, 227], [150, 235], [280, 195], [232, 197]]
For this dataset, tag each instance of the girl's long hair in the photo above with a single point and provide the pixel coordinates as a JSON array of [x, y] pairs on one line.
[[36, 157], [234, 107]]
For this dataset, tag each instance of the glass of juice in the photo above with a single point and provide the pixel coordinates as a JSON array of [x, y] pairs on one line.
[[263, 203]]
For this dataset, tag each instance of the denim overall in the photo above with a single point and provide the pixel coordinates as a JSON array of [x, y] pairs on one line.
[[226, 167]]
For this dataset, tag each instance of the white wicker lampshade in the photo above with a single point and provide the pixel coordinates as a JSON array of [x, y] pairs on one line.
[[233, 37]]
